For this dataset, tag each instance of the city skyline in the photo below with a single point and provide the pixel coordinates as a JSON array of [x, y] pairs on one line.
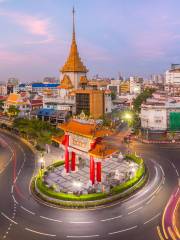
[[131, 38]]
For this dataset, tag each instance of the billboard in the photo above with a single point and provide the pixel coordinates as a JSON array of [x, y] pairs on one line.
[[174, 121]]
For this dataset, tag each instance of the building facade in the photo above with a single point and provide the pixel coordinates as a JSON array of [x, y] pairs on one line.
[[172, 76]]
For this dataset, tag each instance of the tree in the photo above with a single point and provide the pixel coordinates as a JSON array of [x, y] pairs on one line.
[[106, 120], [13, 111], [1, 105], [38, 131], [113, 95], [147, 93]]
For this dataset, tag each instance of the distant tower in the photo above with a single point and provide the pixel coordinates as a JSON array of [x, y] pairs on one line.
[[73, 68]]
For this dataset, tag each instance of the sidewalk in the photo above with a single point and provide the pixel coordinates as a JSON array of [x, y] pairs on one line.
[[55, 154]]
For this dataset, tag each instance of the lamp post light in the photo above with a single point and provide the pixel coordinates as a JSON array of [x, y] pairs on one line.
[[42, 164], [77, 185], [147, 132], [128, 116]]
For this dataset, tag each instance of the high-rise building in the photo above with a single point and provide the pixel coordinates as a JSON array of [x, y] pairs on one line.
[[136, 85]]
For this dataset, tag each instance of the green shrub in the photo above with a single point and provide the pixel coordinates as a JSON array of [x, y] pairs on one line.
[[64, 196]]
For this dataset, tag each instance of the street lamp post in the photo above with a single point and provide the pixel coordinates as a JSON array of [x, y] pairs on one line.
[[147, 130], [42, 164]]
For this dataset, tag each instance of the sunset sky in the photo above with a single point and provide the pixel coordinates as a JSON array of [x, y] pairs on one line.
[[128, 36]]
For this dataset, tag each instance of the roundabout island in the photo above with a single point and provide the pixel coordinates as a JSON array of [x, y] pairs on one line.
[[93, 172]]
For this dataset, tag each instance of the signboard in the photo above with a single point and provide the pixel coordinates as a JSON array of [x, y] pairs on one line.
[[174, 121], [79, 142]]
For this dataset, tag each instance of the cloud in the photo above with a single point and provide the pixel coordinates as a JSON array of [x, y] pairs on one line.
[[8, 57], [39, 27]]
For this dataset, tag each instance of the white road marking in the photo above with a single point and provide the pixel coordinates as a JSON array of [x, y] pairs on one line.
[[15, 180], [25, 209], [51, 219], [80, 222], [135, 210], [176, 192], [151, 219], [177, 172], [40, 233], [175, 169], [150, 200], [123, 230], [12, 189], [158, 190], [4, 215], [109, 219], [14, 199], [88, 236]]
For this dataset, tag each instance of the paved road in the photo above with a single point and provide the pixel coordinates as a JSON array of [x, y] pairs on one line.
[[21, 217]]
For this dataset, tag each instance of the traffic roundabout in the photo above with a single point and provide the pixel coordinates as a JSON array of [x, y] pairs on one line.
[[50, 193], [135, 217]]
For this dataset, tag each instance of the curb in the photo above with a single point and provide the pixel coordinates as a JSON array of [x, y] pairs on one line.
[[88, 204]]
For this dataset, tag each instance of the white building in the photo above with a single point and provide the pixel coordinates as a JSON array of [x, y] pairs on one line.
[[3, 90], [136, 85], [155, 115], [172, 75], [107, 102]]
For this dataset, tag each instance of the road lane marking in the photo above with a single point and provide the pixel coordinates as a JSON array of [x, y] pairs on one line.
[[12, 189], [123, 230], [25, 209], [51, 219], [40, 233], [151, 219], [135, 210], [150, 200], [85, 236], [4, 215], [175, 169], [109, 219], [14, 199], [81, 222]]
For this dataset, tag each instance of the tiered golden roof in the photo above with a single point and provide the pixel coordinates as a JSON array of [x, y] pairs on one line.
[[103, 150], [74, 63], [85, 129], [66, 83], [83, 80]]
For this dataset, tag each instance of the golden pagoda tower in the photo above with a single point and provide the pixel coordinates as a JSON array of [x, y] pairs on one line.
[[73, 68]]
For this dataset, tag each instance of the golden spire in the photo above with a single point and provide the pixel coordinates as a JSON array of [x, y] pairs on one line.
[[74, 63]]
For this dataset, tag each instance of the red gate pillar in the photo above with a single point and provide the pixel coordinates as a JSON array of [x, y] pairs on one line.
[[73, 161], [98, 171], [92, 170], [66, 153]]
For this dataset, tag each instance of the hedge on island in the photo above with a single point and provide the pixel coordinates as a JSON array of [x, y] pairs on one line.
[[49, 191]]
